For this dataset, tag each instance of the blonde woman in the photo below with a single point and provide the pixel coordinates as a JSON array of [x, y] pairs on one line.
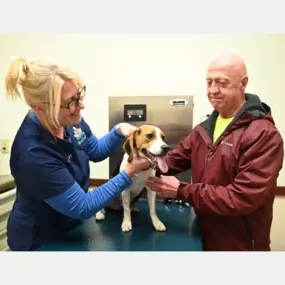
[[51, 152]]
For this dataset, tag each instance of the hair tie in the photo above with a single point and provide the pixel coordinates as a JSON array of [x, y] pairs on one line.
[[25, 67]]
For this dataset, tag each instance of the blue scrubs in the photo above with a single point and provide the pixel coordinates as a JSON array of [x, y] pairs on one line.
[[52, 179]]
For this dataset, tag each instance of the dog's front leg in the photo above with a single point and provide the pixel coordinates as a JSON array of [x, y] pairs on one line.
[[151, 198], [127, 222]]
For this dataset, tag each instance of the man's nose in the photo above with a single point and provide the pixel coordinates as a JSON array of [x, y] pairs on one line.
[[213, 88]]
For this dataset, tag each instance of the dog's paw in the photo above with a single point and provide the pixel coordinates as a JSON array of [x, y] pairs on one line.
[[158, 225], [99, 216], [134, 209], [126, 226]]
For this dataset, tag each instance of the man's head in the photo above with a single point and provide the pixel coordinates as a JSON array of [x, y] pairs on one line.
[[226, 83]]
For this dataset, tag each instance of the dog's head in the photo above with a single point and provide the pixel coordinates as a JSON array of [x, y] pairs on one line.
[[148, 141]]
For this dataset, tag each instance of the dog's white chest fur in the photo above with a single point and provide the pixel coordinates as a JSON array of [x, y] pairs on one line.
[[139, 183], [140, 180]]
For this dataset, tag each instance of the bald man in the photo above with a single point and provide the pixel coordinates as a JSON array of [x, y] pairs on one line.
[[235, 157]]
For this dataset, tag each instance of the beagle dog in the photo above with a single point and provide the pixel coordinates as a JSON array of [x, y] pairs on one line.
[[149, 142]]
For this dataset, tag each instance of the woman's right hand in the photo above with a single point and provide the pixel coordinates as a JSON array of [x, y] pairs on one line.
[[136, 165]]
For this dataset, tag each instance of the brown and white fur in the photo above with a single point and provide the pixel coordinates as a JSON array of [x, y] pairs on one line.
[[148, 141]]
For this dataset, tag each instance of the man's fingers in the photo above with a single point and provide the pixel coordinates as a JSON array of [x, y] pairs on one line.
[[155, 187], [155, 179], [160, 182], [158, 187], [167, 178], [162, 190], [161, 179], [153, 183]]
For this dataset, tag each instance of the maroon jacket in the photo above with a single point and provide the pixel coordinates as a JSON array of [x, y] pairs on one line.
[[233, 180]]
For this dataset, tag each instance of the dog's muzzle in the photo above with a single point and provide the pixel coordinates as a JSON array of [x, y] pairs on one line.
[[165, 149]]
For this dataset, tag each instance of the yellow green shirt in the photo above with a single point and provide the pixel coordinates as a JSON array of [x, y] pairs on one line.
[[220, 126]]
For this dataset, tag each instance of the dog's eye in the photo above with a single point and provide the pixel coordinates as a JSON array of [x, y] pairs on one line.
[[163, 138], [149, 136]]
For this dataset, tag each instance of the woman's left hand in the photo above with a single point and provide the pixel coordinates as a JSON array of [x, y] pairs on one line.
[[125, 129]]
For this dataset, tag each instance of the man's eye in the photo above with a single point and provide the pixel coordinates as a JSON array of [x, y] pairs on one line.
[[223, 83]]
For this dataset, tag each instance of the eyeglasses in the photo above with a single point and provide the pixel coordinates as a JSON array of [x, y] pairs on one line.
[[73, 104]]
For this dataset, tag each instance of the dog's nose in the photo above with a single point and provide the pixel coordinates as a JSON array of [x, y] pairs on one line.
[[165, 148]]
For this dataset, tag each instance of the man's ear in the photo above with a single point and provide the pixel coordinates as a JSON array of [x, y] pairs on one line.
[[244, 82], [130, 145]]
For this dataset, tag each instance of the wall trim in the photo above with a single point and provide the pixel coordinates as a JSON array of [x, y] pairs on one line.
[[280, 190], [97, 182]]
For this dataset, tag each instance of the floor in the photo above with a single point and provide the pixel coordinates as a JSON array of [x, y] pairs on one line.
[[182, 232]]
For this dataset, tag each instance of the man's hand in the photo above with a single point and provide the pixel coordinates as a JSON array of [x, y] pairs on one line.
[[164, 186]]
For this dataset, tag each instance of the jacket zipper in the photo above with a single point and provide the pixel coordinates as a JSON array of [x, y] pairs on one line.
[[206, 158], [245, 219], [212, 146], [249, 232]]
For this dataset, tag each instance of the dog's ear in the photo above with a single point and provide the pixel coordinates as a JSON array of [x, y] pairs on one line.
[[130, 145], [127, 147]]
